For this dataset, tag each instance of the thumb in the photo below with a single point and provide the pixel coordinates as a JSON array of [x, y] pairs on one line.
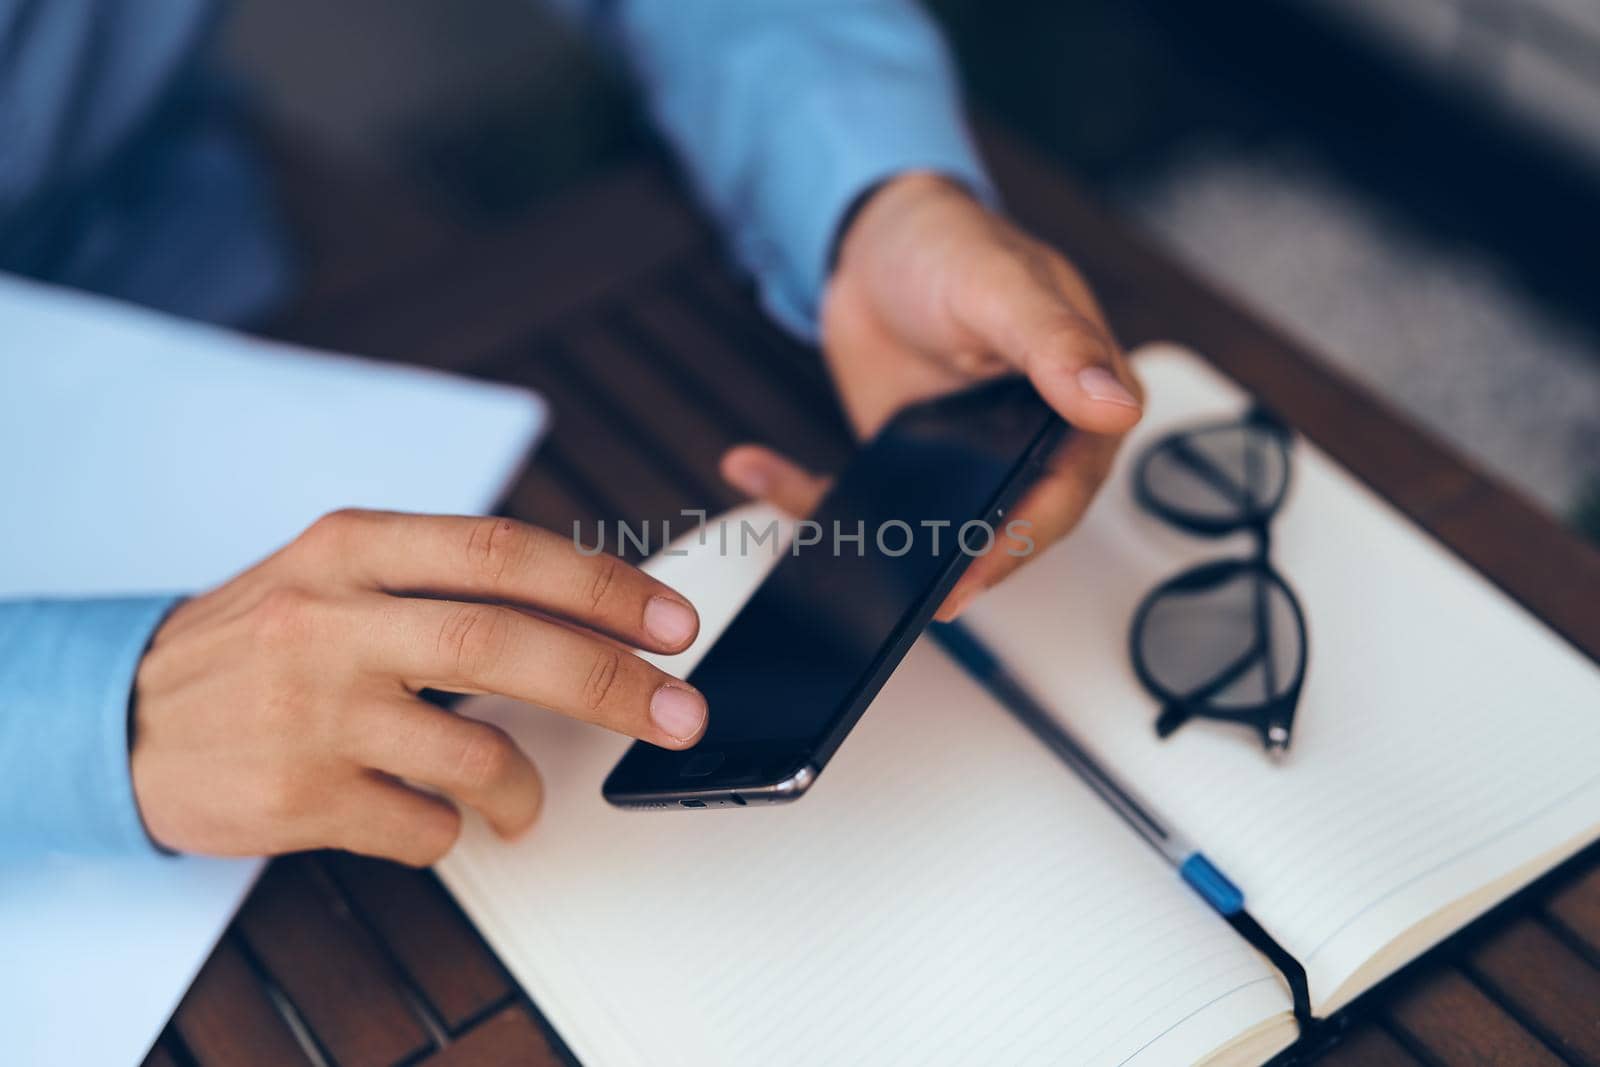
[[764, 474], [1070, 359]]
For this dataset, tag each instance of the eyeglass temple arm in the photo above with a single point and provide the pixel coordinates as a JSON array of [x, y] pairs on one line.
[[1177, 712]]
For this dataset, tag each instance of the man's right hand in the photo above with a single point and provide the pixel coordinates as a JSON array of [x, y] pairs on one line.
[[279, 712]]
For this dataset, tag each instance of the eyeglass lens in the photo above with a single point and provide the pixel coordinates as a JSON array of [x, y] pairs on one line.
[[1226, 636], [1223, 474]]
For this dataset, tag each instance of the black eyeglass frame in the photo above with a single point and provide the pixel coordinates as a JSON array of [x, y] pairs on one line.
[[1272, 718]]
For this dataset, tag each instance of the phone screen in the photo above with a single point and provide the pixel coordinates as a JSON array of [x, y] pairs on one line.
[[799, 663]]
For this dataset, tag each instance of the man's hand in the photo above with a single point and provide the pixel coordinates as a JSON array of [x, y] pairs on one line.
[[279, 711], [932, 292]]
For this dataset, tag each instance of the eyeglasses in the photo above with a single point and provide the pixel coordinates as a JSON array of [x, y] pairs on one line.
[[1226, 639]]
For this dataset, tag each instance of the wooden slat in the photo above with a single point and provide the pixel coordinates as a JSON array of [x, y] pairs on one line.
[[1576, 906], [622, 465], [628, 410], [1518, 547], [657, 402], [1368, 1045], [329, 968], [599, 495], [799, 370], [718, 296], [739, 391], [1550, 986], [543, 499], [509, 1038], [495, 289], [427, 936], [228, 1019], [1461, 1027], [161, 1056]]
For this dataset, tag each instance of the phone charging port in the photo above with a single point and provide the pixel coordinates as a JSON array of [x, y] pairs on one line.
[[692, 803], [736, 798]]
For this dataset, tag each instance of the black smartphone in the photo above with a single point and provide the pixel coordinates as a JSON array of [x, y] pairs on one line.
[[801, 661]]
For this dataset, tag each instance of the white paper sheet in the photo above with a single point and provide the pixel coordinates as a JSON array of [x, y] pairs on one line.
[[143, 453]]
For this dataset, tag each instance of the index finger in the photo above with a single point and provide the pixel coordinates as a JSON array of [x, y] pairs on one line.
[[505, 561], [486, 648]]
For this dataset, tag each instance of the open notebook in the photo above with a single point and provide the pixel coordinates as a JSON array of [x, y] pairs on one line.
[[949, 893]]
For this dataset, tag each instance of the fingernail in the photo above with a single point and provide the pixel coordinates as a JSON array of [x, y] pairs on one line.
[[958, 599], [679, 712], [1101, 384], [669, 621], [751, 479]]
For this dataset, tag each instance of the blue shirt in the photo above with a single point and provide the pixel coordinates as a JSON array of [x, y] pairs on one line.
[[120, 173]]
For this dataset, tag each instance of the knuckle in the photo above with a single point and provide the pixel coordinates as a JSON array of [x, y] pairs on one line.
[[496, 547], [335, 527], [283, 617], [604, 580], [602, 678], [473, 637]]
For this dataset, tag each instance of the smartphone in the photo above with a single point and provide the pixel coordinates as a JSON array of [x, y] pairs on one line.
[[799, 664]]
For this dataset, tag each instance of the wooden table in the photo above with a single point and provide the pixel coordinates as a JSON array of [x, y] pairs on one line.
[[616, 305]]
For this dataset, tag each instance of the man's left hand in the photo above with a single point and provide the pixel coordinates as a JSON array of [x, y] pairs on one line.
[[932, 292]]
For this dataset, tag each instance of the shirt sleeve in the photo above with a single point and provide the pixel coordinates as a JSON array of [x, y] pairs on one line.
[[66, 678], [124, 168], [786, 111], [80, 77]]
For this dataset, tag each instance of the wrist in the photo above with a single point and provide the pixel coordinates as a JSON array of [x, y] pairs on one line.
[[881, 205], [151, 680]]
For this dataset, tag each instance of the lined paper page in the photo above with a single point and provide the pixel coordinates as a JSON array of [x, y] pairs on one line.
[[946, 894], [1445, 738]]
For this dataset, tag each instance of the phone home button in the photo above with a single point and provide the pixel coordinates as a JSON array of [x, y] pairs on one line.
[[702, 764]]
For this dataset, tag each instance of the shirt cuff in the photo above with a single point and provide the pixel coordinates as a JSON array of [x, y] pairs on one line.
[[862, 141], [67, 668]]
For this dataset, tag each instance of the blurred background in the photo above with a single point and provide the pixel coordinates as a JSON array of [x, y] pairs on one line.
[[1412, 186]]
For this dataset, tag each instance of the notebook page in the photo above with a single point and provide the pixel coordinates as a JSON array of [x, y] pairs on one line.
[[1445, 738], [947, 893]]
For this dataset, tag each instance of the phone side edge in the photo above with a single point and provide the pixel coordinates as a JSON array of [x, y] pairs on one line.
[[782, 792]]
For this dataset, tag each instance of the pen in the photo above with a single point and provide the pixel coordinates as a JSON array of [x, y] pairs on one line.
[[1189, 861], [1203, 876]]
